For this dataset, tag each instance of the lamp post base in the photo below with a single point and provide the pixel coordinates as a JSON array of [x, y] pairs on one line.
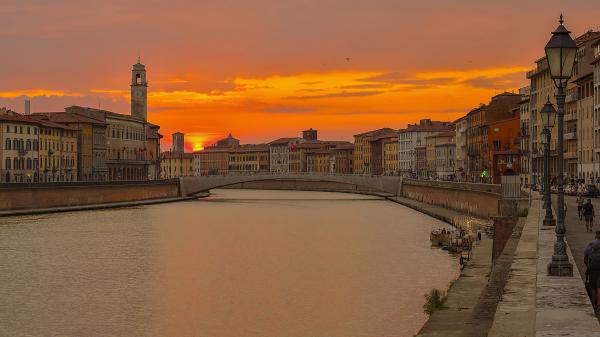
[[549, 222], [560, 268]]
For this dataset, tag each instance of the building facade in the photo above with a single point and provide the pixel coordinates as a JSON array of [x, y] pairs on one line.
[[440, 155], [479, 158], [249, 159], [413, 136], [461, 148], [368, 150], [91, 142], [505, 146], [280, 153], [214, 159], [390, 157], [525, 136], [20, 144], [176, 164]]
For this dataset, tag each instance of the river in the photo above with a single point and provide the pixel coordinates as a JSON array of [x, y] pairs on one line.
[[239, 263]]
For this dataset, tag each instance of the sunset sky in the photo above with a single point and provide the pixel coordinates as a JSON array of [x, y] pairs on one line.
[[264, 69]]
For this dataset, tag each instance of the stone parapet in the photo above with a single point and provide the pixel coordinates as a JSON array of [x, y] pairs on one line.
[[43, 196], [480, 201], [535, 304], [487, 188]]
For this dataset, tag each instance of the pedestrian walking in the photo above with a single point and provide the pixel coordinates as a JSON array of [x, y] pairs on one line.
[[588, 214], [579, 205], [592, 263]]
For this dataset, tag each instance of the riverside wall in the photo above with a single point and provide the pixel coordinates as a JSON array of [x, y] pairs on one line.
[[301, 185], [15, 197], [481, 200]]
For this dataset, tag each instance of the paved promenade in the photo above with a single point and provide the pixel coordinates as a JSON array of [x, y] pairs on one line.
[[534, 304]]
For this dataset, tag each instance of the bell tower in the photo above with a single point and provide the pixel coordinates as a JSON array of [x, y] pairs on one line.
[[139, 91]]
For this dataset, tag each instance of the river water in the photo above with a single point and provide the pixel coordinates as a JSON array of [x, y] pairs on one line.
[[239, 263]]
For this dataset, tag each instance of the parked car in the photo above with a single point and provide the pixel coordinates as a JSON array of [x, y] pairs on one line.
[[591, 191]]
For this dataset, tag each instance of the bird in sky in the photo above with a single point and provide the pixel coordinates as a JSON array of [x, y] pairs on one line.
[[347, 59]]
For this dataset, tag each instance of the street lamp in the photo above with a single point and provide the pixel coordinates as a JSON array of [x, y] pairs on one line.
[[560, 53], [548, 114]]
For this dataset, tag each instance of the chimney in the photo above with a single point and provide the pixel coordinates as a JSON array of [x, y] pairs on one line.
[[27, 105]]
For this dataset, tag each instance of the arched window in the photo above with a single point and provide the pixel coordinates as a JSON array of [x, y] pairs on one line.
[[15, 144], [7, 164], [7, 145], [29, 163], [28, 145]]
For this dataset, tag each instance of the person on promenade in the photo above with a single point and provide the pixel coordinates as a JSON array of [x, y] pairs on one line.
[[591, 258], [588, 214], [579, 205]]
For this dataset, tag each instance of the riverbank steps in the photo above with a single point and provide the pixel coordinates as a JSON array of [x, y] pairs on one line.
[[535, 304]]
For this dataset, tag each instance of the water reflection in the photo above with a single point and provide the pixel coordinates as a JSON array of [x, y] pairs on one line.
[[240, 263]]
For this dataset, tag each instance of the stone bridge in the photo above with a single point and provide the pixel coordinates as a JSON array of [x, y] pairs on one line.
[[383, 184]]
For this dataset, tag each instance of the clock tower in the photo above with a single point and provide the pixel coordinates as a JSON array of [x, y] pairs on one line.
[[139, 92]]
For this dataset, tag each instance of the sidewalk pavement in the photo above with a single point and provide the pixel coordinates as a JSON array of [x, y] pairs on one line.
[[576, 236]]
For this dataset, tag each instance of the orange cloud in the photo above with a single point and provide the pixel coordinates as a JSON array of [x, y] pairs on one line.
[[38, 93]]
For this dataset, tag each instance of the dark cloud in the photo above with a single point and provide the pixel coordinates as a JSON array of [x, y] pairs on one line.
[[339, 95], [485, 82], [404, 78]]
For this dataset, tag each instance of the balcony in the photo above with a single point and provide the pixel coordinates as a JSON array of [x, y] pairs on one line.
[[540, 67], [571, 135], [572, 96]]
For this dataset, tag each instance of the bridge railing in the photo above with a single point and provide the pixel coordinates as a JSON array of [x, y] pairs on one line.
[[306, 174]]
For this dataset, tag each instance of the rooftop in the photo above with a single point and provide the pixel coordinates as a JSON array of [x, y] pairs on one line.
[[375, 132]]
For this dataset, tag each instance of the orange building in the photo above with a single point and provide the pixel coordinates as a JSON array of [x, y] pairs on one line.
[[505, 146]]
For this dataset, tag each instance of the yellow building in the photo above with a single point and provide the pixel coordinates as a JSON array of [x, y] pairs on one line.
[[19, 148], [368, 151], [58, 152], [250, 158], [390, 157], [333, 157], [176, 164], [91, 141]]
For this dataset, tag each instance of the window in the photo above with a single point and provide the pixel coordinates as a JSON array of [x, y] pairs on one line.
[[138, 79], [7, 164], [7, 145]]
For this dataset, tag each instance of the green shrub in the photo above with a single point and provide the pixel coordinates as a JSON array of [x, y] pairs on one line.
[[434, 301]]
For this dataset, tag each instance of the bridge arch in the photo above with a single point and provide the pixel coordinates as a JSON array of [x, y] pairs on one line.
[[384, 184]]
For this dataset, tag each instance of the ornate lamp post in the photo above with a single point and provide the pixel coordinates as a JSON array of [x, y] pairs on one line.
[[560, 53], [548, 114]]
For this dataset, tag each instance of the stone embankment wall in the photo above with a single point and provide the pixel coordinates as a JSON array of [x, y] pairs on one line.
[[480, 200], [300, 185], [49, 195]]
